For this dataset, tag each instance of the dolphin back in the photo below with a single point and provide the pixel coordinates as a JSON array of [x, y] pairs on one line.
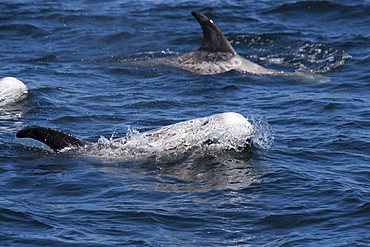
[[55, 139]]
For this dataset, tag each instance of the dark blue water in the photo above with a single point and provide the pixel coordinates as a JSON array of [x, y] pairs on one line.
[[311, 188]]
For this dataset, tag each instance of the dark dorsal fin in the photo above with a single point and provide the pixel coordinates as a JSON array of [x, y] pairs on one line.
[[55, 139], [213, 39]]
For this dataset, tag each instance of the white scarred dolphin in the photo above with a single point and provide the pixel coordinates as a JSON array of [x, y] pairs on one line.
[[12, 90], [219, 132]]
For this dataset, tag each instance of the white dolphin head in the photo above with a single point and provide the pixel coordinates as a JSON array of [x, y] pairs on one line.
[[12, 90]]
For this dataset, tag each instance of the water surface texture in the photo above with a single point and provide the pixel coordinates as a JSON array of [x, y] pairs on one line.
[[306, 184]]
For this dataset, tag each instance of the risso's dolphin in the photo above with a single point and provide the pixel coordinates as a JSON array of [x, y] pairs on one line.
[[219, 132], [215, 55], [12, 90]]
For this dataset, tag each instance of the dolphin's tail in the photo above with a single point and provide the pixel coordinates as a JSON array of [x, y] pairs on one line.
[[55, 139]]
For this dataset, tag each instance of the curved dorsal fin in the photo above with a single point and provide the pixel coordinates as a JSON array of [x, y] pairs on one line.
[[55, 139], [213, 39]]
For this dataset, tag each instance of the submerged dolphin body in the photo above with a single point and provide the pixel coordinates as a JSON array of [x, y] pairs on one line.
[[220, 132], [215, 55]]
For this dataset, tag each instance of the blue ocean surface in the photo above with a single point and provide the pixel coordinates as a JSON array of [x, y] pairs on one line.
[[307, 184]]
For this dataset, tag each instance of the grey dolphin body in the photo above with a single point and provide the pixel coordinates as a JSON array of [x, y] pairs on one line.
[[221, 131], [215, 55]]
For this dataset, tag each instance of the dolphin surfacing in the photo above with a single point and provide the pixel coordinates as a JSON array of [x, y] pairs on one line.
[[215, 55], [219, 132], [12, 90]]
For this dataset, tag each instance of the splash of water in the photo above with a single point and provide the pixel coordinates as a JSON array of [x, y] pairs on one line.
[[263, 137]]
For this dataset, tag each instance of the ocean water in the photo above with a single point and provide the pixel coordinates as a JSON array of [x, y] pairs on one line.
[[307, 184]]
